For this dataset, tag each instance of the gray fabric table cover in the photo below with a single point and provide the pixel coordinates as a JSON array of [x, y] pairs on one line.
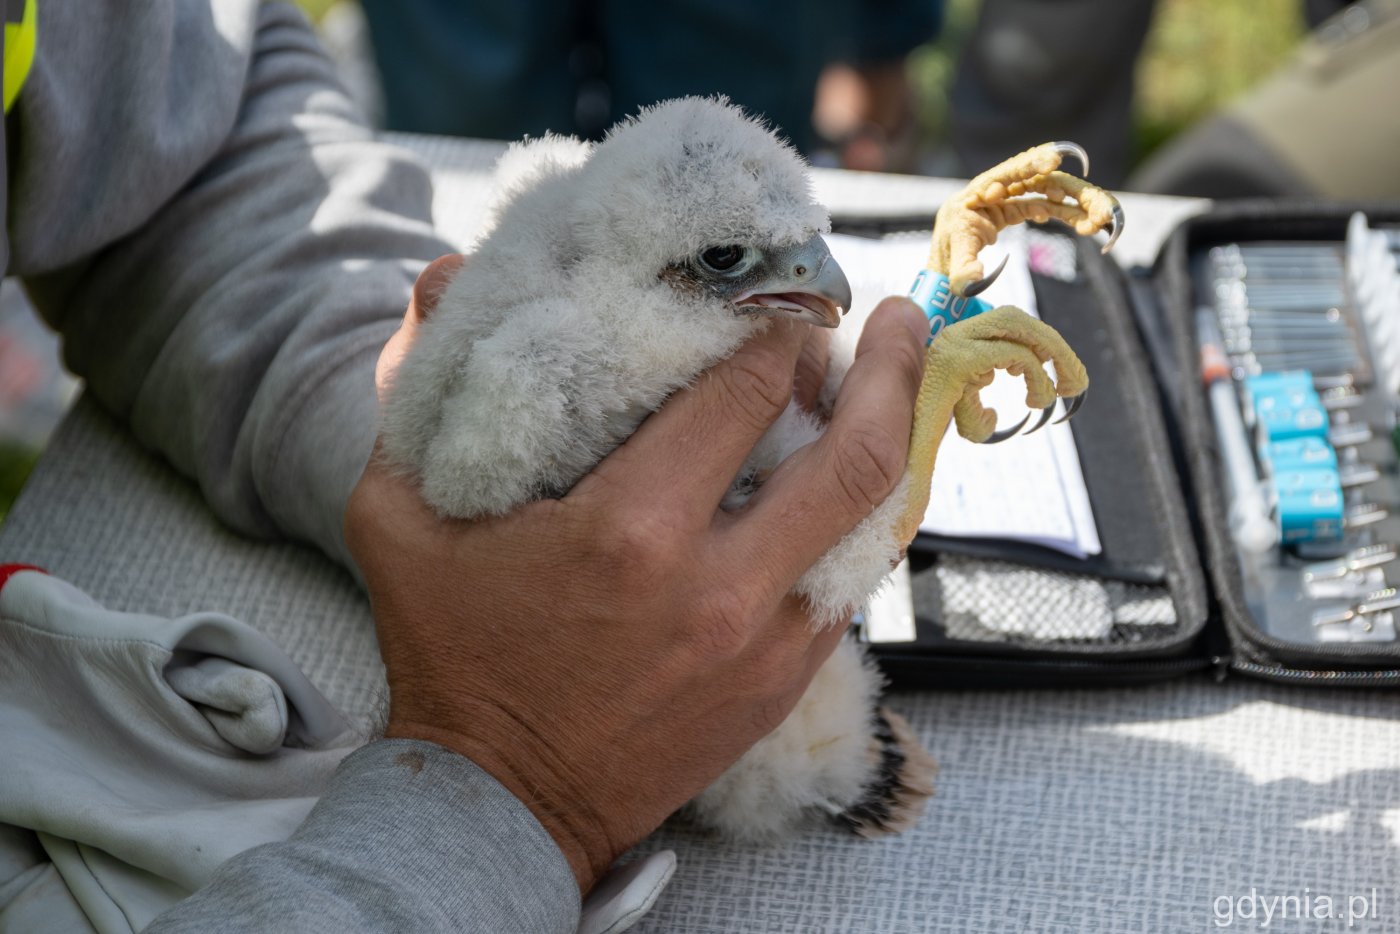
[[1174, 807]]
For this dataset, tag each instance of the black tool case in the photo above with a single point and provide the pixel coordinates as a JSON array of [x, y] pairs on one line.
[[1167, 595]]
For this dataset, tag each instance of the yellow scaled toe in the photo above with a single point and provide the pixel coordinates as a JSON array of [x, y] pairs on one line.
[[1026, 187], [995, 183], [958, 365], [967, 357]]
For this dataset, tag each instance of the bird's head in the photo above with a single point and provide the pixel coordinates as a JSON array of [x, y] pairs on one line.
[[695, 196]]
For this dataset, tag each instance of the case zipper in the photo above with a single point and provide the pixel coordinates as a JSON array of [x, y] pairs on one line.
[[1381, 678], [965, 671]]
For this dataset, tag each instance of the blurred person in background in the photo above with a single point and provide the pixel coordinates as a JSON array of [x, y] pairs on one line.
[[1036, 70], [575, 67], [832, 75]]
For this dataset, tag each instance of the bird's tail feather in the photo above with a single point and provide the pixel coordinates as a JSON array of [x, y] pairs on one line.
[[903, 781]]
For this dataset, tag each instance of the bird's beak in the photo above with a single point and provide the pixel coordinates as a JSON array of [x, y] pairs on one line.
[[805, 282]]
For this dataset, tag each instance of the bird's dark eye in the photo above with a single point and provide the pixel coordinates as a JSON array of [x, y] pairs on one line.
[[722, 258]]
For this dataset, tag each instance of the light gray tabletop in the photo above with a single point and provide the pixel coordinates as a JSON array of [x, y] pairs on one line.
[[1154, 808]]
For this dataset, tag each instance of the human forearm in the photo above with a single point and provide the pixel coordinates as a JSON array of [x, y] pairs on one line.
[[224, 278], [410, 837]]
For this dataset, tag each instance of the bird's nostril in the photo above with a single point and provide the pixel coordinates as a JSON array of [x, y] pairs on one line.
[[799, 270]]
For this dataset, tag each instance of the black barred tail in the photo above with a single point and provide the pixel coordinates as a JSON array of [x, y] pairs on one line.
[[903, 780]]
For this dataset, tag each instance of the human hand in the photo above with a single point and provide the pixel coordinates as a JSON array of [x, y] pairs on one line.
[[606, 655]]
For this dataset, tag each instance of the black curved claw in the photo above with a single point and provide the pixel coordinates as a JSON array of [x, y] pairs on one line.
[[1072, 407], [1045, 414], [997, 437], [980, 286], [1114, 229], [1066, 148]]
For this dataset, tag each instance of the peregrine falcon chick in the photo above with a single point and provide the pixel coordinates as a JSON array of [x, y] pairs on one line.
[[609, 276]]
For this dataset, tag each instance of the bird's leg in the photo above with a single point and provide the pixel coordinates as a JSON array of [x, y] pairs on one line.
[[959, 363], [971, 341]]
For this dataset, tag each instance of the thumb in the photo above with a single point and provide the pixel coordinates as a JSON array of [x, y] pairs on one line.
[[432, 282]]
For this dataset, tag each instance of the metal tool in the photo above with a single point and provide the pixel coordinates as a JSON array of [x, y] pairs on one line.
[[1286, 305], [1350, 434], [1371, 619], [1355, 475], [1359, 559], [1361, 514], [1350, 577]]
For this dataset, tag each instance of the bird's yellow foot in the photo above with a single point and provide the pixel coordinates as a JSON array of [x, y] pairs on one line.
[[965, 359], [1026, 187], [960, 363], [971, 343]]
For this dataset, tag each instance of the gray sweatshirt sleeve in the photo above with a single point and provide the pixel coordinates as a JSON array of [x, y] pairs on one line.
[[197, 207], [385, 850]]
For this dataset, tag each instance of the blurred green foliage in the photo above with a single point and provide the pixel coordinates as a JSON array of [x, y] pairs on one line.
[[16, 461], [931, 69], [1199, 55], [315, 9], [1202, 54]]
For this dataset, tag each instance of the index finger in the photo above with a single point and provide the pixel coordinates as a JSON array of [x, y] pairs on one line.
[[688, 452], [426, 292], [822, 491]]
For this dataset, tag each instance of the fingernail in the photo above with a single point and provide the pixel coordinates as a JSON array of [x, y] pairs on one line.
[[912, 316], [433, 281]]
